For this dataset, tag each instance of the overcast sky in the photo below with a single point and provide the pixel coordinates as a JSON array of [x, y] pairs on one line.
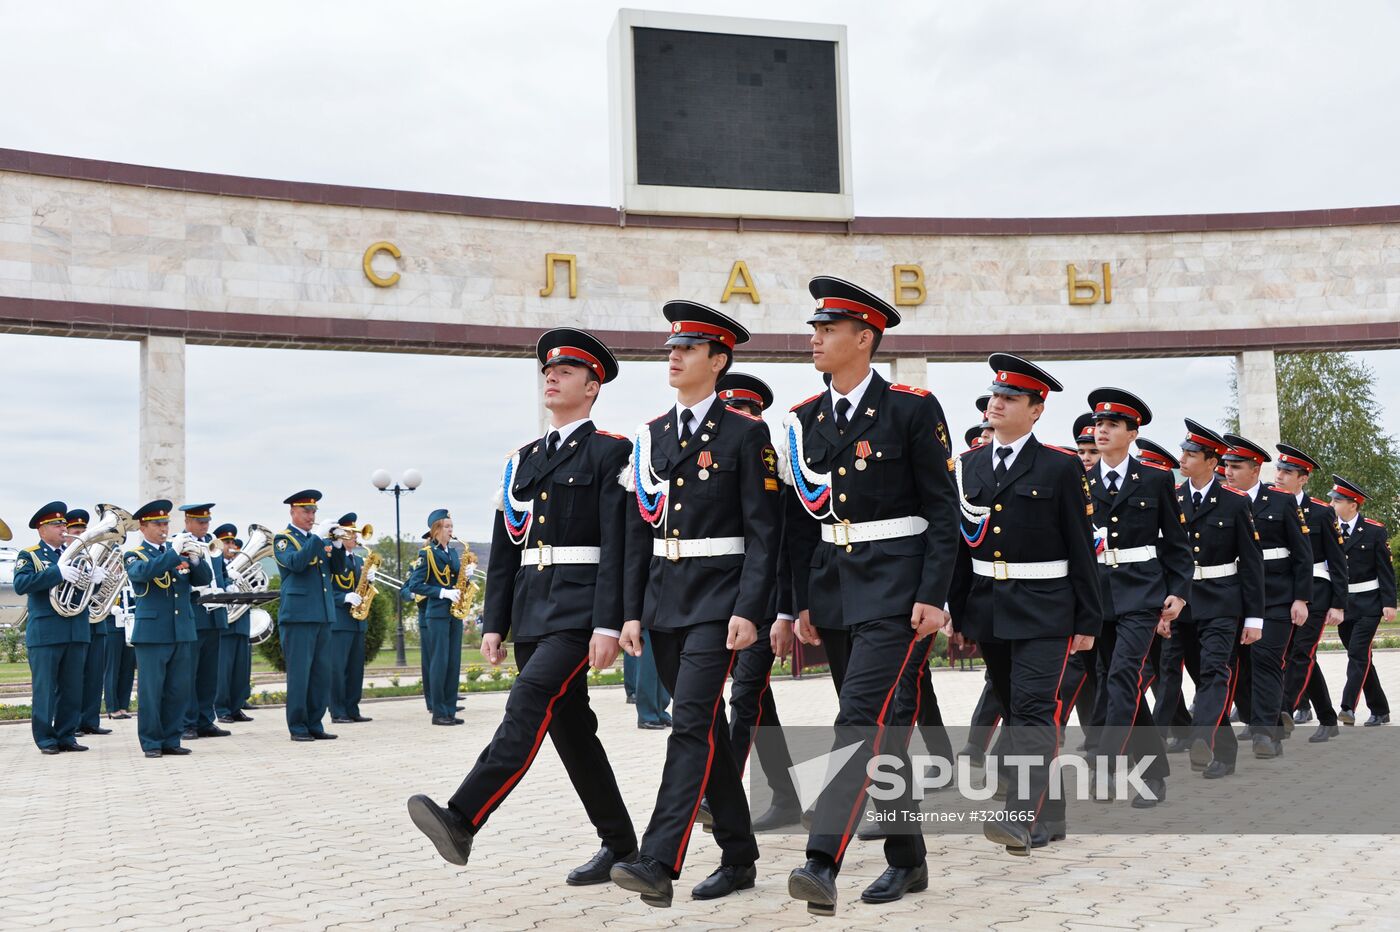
[[958, 109]]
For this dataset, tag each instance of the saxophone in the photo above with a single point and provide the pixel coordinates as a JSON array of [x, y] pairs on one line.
[[466, 586], [366, 590]]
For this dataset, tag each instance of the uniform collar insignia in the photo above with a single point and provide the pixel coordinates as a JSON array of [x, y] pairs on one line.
[[821, 416], [710, 425], [869, 412]]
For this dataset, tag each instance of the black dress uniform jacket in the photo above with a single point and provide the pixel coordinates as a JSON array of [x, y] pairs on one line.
[[1368, 557], [1222, 531], [908, 473], [1144, 513], [1040, 512], [577, 503], [1325, 537], [1279, 524], [739, 498]]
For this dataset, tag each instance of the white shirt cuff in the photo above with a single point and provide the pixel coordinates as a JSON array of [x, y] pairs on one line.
[[1254, 622], [608, 631], [784, 616]]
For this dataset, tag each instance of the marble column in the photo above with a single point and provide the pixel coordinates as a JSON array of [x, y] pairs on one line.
[[1258, 401], [910, 370], [162, 449]]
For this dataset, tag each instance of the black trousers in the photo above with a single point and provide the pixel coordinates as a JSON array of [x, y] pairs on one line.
[[1124, 667], [1303, 682], [1169, 712], [986, 715], [837, 642], [550, 695], [754, 724], [693, 664], [1028, 677], [1080, 688], [1218, 641], [1357, 634], [883, 656], [1259, 696]]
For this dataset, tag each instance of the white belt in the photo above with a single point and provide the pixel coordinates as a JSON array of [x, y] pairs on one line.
[[1276, 553], [846, 533], [1370, 585], [1000, 569], [1128, 555], [545, 555], [1320, 571], [674, 549], [1217, 571]]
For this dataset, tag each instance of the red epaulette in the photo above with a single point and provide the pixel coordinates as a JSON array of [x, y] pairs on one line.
[[1274, 488], [910, 390], [659, 417], [1375, 522], [805, 401], [752, 417], [1065, 450], [608, 433], [1154, 466], [973, 449], [1229, 489], [1320, 502]]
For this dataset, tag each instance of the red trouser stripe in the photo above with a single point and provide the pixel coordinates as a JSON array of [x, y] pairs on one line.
[[1138, 700], [1231, 682], [1307, 677], [758, 720], [709, 762], [1061, 716], [539, 738]]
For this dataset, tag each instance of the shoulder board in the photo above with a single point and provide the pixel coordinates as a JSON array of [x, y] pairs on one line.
[[1375, 522], [972, 450], [805, 401], [1155, 466], [33, 549], [659, 417], [1051, 446], [752, 417], [1274, 488], [1319, 502], [1227, 488], [608, 433], [909, 389]]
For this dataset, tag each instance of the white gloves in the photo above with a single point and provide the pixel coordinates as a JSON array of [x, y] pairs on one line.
[[99, 575], [451, 595], [352, 599], [372, 575], [72, 574]]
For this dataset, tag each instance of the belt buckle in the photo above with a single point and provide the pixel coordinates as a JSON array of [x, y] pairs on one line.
[[841, 534], [1197, 575], [546, 555], [1000, 571], [673, 549], [1110, 557]]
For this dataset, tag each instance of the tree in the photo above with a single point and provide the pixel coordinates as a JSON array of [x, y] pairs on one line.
[[1328, 409]]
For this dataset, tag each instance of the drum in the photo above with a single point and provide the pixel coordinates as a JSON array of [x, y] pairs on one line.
[[259, 625]]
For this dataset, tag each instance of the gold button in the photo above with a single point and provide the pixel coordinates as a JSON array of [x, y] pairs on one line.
[[1196, 549], [678, 506], [849, 548], [571, 480], [1198, 535], [996, 553], [680, 481], [1114, 519], [841, 471], [878, 455], [996, 530], [842, 496], [1034, 493], [676, 532], [997, 507], [544, 496], [1115, 534], [541, 519]]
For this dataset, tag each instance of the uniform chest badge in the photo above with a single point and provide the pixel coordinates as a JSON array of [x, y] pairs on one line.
[[862, 451], [704, 461]]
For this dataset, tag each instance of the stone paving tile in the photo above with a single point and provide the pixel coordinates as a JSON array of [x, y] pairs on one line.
[[255, 832]]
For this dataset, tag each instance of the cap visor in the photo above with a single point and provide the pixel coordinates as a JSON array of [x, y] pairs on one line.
[[681, 339]]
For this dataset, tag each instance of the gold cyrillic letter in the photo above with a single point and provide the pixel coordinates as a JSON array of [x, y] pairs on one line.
[[1082, 291], [909, 288], [550, 258], [740, 282], [370, 253]]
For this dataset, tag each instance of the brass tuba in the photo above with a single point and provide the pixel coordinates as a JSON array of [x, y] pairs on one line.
[[84, 553], [108, 555], [244, 572]]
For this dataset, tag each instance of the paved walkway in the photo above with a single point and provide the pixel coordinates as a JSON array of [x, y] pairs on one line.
[[254, 832]]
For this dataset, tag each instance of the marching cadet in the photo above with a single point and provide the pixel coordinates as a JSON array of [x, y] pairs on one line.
[[704, 476], [209, 623], [1145, 574], [90, 716], [1085, 442], [56, 646], [162, 578], [1079, 690], [1302, 677], [347, 634], [985, 426], [434, 577], [558, 550], [304, 615], [1228, 588], [1034, 500], [235, 653], [869, 462], [1288, 570], [1370, 598]]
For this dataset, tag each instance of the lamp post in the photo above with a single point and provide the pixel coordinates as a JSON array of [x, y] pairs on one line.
[[411, 480]]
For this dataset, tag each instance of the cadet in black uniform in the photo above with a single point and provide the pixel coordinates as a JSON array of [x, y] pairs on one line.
[[870, 462], [1370, 597], [1288, 588], [1080, 687], [1085, 440], [1027, 592], [555, 582], [704, 478], [1228, 586], [1302, 677], [1145, 575]]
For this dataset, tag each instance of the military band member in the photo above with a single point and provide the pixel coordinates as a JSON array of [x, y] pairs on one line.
[[209, 623], [558, 549], [56, 646], [119, 673], [304, 615], [235, 651], [434, 577], [1085, 442], [1227, 599], [1288, 587], [1027, 592], [705, 488], [1145, 575], [421, 607], [162, 578], [90, 717], [1370, 598], [347, 634], [1303, 679], [870, 463]]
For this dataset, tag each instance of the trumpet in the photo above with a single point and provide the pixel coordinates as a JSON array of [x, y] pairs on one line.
[[336, 532]]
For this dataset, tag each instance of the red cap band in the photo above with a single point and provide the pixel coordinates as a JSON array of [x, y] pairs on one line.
[[1206, 442], [1158, 459], [1017, 380], [865, 312], [706, 330], [1114, 407], [589, 359], [1348, 493], [1248, 454], [58, 518], [742, 394], [1294, 461]]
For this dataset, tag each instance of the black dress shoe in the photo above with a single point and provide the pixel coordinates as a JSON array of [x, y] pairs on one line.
[[1266, 748], [1178, 745], [189, 734], [227, 719], [652, 726], [631, 700], [1157, 787], [212, 732], [1302, 716], [95, 730], [597, 869], [1014, 836], [323, 736], [241, 716], [1323, 733], [361, 718], [1346, 716], [646, 876], [154, 753], [895, 882], [175, 752], [1201, 755], [777, 816], [446, 720], [1375, 720], [448, 831], [724, 881], [1218, 769], [52, 750], [815, 883], [340, 720], [72, 746], [302, 738], [1286, 721]]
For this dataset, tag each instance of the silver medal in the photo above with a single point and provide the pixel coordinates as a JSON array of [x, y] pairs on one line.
[[704, 474], [860, 464]]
